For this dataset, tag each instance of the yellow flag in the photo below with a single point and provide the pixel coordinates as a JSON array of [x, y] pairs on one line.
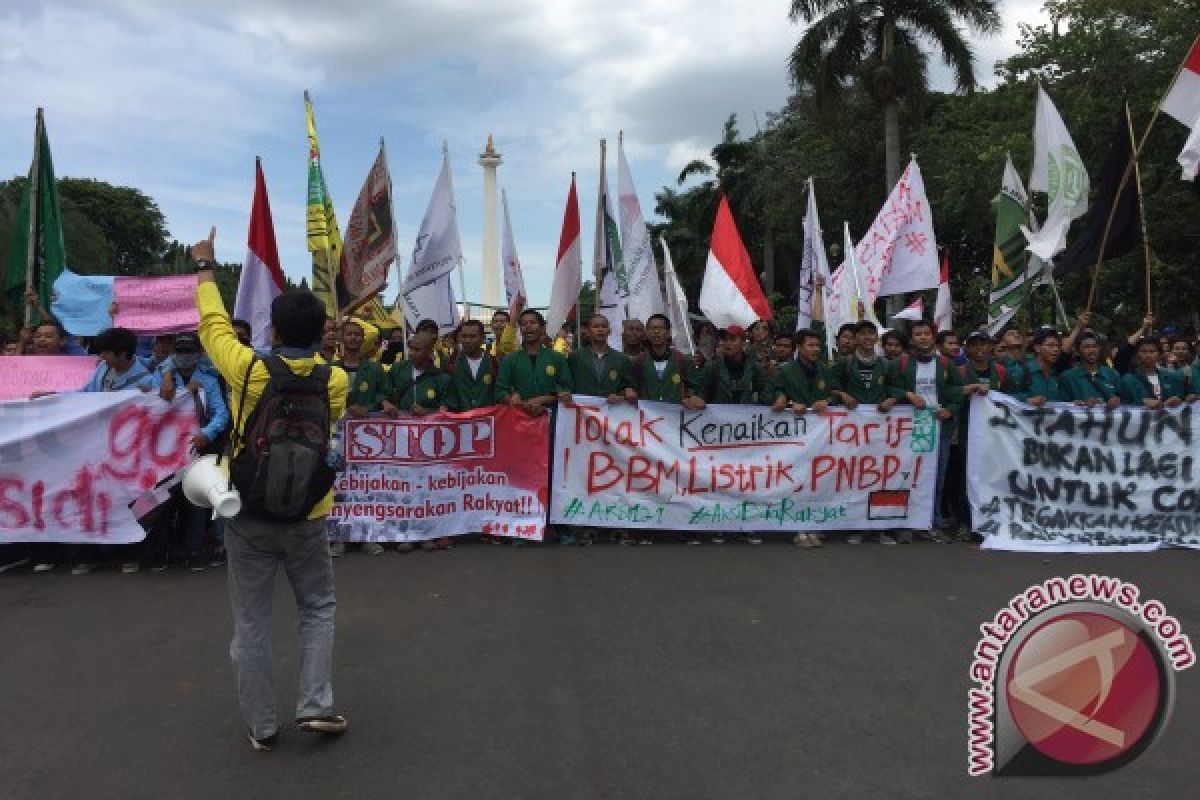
[[324, 238]]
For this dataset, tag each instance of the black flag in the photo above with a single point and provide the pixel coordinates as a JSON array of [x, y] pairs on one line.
[[1124, 232]]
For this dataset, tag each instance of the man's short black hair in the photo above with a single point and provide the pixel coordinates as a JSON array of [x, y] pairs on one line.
[[921, 323], [783, 335], [899, 336], [118, 341], [501, 312], [1084, 335], [53, 323], [536, 315], [665, 319], [800, 336], [241, 323], [942, 336], [849, 327], [865, 325], [298, 318], [1146, 341], [427, 326], [474, 323], [1043, 334]]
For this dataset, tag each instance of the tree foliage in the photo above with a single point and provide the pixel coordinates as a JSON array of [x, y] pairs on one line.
[[1091, 54]]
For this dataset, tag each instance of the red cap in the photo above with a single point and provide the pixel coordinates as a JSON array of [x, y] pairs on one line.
[[736, 330]]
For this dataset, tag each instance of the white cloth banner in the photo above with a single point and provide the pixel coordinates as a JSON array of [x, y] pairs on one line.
[[645, 294], [427, 291], [741, 468], [898, 254], [71, 464], [1062, 478]]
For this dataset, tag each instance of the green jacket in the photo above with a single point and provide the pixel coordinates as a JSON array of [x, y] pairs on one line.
[[902, 379], [368, 383], [850, 380], [716, 385], [1135, 388], [615, 373], [678, 377], [469, 391], [997, 377], [1078, 384], [1028, 380], [545, 374], [430, 390], [793, 382]]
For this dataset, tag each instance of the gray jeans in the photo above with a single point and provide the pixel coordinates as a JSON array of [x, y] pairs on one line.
[[255, 550]]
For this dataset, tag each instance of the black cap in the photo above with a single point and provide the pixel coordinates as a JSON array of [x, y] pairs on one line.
[[977, 336], [188, 342]]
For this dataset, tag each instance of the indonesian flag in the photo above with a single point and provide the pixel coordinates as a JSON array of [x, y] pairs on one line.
[[262, 279], [568, 270], [1183, 103], [730, 294], [943, 313], [913, 312]]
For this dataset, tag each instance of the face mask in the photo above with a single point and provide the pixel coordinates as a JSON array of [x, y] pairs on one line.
[[187, 361]]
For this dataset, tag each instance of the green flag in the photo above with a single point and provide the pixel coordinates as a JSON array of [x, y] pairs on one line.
[[38, 217], [1012, 265]]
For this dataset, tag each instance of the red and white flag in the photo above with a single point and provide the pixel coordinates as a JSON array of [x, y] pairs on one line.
[[568, 269], [1183, 103], [943, 311], [514, 280], [261, 280], [730, 294], [912, 312]]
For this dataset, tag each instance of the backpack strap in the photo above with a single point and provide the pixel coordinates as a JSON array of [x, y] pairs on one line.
[[236, 433], [1001, 374]]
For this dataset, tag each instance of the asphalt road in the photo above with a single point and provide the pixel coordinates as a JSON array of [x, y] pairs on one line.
[[492, 672]]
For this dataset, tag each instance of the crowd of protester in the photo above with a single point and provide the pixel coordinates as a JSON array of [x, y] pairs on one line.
[[517, 362]]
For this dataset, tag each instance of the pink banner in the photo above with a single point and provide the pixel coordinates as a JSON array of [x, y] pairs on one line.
[[21, 376], [150, 306]]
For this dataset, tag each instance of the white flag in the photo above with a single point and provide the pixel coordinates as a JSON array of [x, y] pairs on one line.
[[609, 269], [1059, 172], [943, 309], [813, 262], [898, 254], [645, 295], [677, 305], [1189, 158], [845, 300], [427, 292], [913, 311], [514, 280]]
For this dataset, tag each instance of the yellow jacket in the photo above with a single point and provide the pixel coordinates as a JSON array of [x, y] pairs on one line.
[[231, 358], [506, 344]]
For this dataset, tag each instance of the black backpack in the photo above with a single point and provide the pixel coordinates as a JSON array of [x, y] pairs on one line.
[[282, 470]]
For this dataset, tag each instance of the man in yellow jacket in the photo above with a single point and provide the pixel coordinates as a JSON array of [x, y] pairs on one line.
[[257, 547]]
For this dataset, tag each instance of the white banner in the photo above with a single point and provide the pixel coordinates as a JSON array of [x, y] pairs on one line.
[[742, 468], [71, 464], [1062, 478]]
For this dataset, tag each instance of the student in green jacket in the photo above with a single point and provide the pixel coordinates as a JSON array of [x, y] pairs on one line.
[[368, 381], [862, 376], [805, 384], [535, 376], [927, 379], [597, 370], [1035, 382], [1146, 384], [734, 376], [473, 370], [416, 385], [1091, 382], [661, 372]]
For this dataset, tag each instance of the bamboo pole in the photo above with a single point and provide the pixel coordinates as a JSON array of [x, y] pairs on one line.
[[31, 244], [1137, 152], [1137, 177]]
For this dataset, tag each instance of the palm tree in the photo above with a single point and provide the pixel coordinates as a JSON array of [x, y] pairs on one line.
[[877, 43]]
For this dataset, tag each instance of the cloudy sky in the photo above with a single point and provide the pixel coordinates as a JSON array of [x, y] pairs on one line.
[[177, 97]]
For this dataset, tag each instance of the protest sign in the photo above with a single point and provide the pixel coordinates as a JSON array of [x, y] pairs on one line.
[[21, 376], [1062, 478], [153, 306], [657, 465], [415, 478], [82, 302], [70, 465]]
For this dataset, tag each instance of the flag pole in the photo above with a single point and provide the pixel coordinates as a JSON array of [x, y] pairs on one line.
[[600, 244], [31, 244], [1137, 177]]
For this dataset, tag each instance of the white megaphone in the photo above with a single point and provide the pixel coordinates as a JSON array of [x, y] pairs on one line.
[[206, 484]]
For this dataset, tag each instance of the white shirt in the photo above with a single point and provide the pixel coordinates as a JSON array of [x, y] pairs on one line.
[[1155, 385], [926, 383], [661, 366], [474, 363]]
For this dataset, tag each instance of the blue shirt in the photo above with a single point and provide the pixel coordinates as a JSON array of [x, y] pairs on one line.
[[217, 410], [106, 379]]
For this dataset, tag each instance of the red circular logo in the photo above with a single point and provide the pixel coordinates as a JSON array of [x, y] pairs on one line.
[[1084, 688]]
